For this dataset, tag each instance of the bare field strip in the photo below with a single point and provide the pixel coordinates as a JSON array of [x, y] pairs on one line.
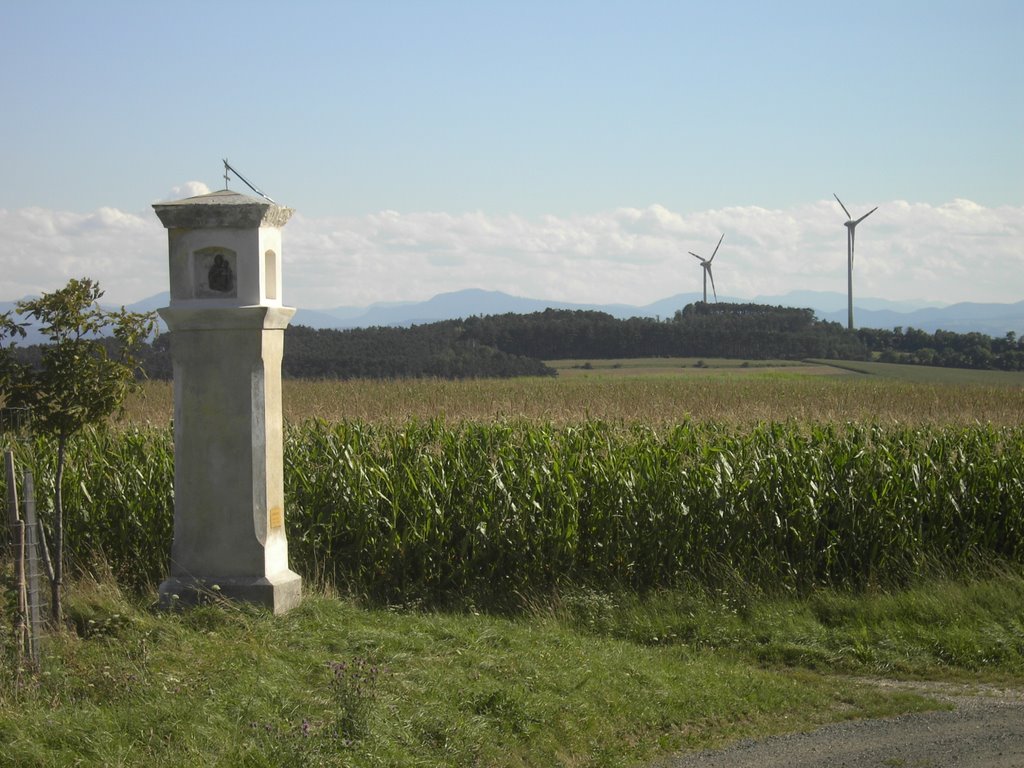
[[734, 395], [685, 366], [925, 374]]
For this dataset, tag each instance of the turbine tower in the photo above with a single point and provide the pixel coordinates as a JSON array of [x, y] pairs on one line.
[[706, 264], [851, 226]]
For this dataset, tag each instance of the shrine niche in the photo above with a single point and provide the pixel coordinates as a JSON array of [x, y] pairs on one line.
[[214, 270], [224, 249]]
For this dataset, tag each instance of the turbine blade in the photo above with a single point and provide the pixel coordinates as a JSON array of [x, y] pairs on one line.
[[842, 206], [716, 248], [696, 256], [858, 221], [713, 284]]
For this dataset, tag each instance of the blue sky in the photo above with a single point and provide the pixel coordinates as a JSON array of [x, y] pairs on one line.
[[565, 150]]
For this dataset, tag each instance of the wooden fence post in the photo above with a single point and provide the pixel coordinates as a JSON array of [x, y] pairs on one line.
[[26, 566], [12, 492], [33, 592]]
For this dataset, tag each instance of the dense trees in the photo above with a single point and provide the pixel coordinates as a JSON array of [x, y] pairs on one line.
[[699, 330], [745, 331], [442, 350], [945, 348]]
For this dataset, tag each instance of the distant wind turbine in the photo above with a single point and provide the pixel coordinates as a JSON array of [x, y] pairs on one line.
[[706, 264], [851, 226]]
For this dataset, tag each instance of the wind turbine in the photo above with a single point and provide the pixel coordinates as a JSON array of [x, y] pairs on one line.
[[851, 226], [706, 264]]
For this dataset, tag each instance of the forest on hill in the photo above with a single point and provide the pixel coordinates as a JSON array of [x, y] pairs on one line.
[[515, 344], [742, 331]]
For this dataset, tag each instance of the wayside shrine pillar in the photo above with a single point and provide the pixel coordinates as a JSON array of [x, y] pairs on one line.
[[227, 338]]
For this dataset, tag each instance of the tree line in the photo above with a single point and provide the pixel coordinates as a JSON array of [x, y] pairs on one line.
[[945, 348], [744, 331], [435, 350], [508, 345]]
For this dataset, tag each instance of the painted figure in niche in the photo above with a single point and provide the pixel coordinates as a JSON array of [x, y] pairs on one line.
[[220, 278]]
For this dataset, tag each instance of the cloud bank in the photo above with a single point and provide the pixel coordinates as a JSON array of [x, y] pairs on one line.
[[959, 251]]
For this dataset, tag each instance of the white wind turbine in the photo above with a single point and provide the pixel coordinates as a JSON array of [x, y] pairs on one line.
[[706, 264], [851, 226]]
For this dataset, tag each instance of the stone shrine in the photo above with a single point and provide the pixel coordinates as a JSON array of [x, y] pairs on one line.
[[227, 326]]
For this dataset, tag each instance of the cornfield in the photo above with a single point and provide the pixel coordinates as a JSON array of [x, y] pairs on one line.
[[431, 509], [739, 397]]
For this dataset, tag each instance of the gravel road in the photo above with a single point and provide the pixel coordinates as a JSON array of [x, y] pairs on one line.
[[984, 730]]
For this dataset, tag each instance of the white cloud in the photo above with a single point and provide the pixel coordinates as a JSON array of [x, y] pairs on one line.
[[188, 189], [959, 251]]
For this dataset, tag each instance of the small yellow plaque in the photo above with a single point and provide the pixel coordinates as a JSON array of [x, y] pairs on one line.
[[276, 517]]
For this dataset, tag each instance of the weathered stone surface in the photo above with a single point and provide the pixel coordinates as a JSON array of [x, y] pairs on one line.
[[278, 592], [223, 209], [227, 340]]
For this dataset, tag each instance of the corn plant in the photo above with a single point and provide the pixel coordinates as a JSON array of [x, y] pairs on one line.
[[494, 511]]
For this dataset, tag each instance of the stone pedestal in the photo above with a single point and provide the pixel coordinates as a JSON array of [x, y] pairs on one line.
[[227, 339]]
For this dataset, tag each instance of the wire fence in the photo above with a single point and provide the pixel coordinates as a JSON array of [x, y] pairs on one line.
[[24, 549]]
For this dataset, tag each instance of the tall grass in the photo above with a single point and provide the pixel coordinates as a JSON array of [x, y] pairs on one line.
[[496, 511], [222, 686]]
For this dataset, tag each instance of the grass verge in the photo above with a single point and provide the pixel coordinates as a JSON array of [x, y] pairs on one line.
[[585, 679]]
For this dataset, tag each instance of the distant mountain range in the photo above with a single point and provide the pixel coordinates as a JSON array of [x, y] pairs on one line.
[[990, 319]]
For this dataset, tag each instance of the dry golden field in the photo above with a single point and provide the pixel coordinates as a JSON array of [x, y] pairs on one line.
[[657, 393]]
